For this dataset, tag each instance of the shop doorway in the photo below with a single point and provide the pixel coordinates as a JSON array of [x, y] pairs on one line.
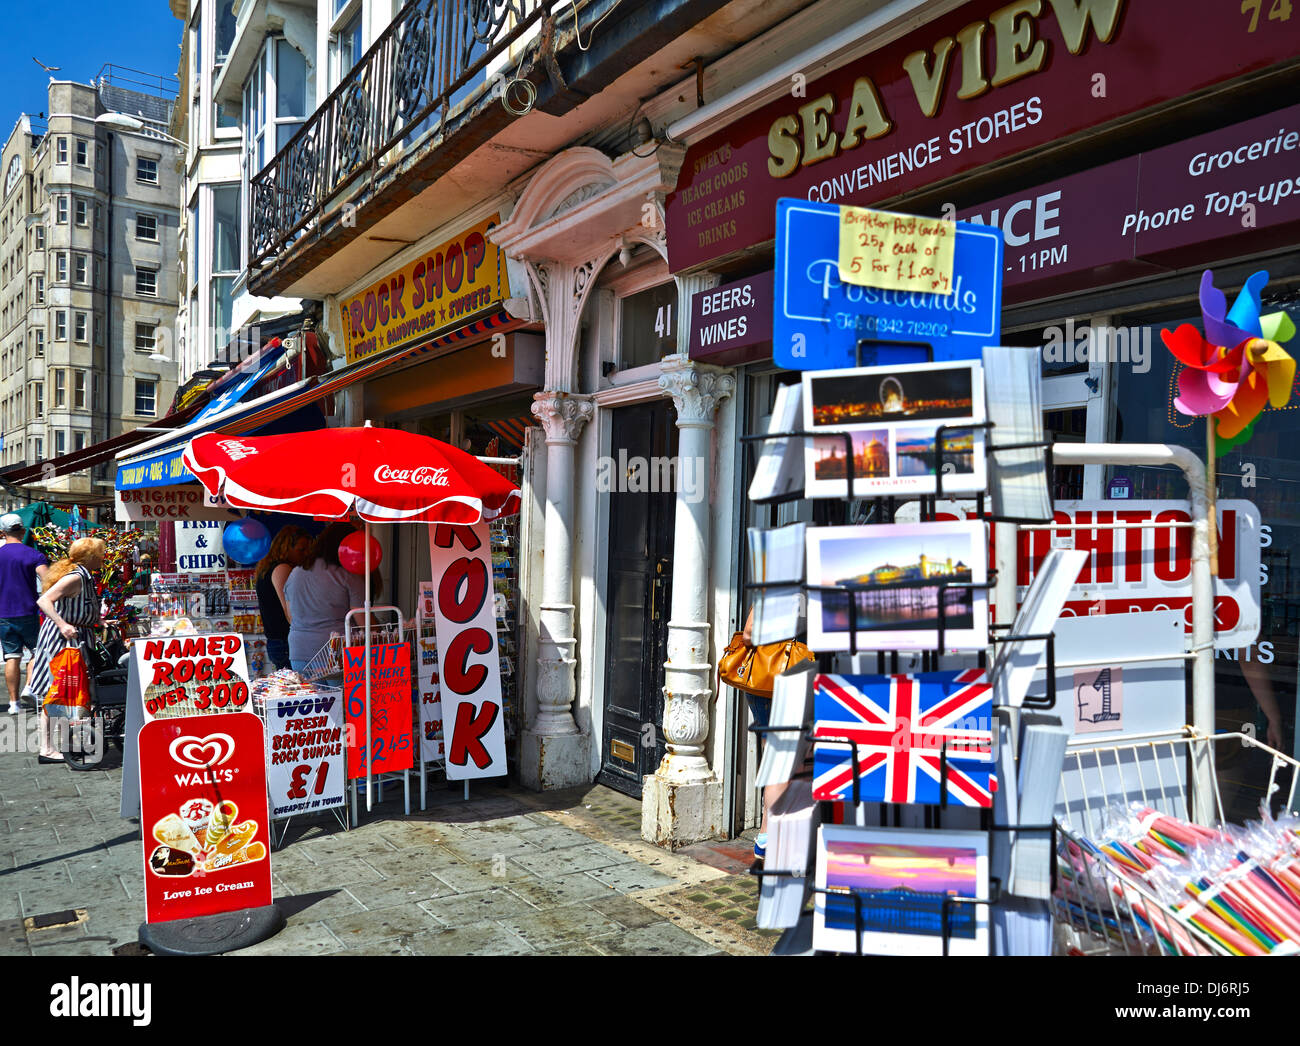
[[639, 558]]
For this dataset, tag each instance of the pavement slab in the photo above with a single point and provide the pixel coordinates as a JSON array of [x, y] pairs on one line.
[[409, 889], [657, 939], [361, 930], [487, 938], [466, 909], [546, 865], [563, 889], [553, 926]]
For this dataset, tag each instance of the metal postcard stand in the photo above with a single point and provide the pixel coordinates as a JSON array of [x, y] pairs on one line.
[[883, 512]]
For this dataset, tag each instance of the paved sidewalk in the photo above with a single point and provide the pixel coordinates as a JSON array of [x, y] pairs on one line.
[[509, 872]]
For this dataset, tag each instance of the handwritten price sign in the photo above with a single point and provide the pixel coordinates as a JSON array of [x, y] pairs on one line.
[[390, 707], [901, 252]]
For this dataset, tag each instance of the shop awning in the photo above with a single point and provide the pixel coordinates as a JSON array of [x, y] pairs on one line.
[[158, 461]]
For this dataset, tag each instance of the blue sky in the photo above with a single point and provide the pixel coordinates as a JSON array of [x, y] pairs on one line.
[[80, 36]]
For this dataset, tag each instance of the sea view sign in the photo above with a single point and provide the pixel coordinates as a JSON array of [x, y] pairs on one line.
[[820, 319]]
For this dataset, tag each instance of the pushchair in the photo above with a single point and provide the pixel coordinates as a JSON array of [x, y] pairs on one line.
[[106, 666]]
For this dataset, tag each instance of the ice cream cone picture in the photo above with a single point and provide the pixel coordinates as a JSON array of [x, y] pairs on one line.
[[251, 852], [174, 832], [223, 816], [237, 838], [196, 813]]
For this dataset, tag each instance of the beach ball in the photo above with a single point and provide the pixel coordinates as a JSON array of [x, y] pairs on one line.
[[246, 540], [352, 553]]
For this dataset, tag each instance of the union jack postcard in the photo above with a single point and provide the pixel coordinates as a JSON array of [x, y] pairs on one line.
[[913, 734]]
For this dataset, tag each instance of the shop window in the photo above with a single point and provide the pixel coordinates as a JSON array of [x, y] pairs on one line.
[[648, 326]]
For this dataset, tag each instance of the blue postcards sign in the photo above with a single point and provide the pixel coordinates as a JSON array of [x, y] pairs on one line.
[[819, 320]]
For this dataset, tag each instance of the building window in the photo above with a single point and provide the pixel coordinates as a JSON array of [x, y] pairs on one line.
[[61, 210], [79, 326], [80, 441], [350, 46], [97, 280], [146, 227], [146, 337], [60, 389], [275, 100], [40, 343], [40, 237], [38, 399], [62, 154], [80, 212], [79, 268], [40, 290], [61, 267], [146, 282], [146, 393], [60, 443], [83, 153], [40, 449], [146, 170], [99, 331], [60, 325], [225, 262], [79, 390]]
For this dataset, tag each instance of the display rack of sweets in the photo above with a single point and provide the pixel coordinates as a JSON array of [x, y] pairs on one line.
[[285, 683], [505, 574]]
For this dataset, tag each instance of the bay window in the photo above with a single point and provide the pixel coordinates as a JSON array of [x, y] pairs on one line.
[[275, 100]]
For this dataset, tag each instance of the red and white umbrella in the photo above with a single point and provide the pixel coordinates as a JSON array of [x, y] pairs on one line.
[[384, 475]]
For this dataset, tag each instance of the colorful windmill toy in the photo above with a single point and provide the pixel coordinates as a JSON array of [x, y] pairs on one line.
[[1234, 369]]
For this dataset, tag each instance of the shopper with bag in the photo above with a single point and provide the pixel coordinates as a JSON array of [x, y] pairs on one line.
[[753, 670], [20, 567], [70, 604]]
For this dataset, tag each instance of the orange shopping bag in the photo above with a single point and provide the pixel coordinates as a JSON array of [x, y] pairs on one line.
[[69, 694]]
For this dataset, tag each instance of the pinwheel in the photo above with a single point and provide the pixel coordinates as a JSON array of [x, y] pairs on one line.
[[1232, 371]]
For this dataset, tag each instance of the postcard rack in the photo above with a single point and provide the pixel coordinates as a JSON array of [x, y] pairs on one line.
[[838, 511]]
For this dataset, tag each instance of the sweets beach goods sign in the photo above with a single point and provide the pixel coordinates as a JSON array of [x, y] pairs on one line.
[[175, 676], [390, 708], [204, 816], [820, 317], [981, 84], [305, 737], [469, 666], [442, 288]]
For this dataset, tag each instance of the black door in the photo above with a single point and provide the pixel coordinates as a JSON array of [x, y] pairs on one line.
[[642, 504]]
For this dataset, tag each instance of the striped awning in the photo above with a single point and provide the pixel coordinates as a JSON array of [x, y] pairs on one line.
[[158, 462]]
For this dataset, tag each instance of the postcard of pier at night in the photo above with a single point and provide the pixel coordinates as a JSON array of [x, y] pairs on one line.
[[905, 579], [892, 418]]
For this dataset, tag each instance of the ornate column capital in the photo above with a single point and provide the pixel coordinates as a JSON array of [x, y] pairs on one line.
[[697, 389], [562, 415]]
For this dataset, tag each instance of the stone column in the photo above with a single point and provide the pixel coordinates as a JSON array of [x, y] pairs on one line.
[[555, 753], [680, 803]]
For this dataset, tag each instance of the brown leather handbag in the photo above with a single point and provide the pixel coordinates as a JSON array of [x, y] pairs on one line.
[[754, 669]]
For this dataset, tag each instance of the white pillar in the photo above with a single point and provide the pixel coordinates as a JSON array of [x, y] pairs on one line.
[[555, 750], [681, 798]]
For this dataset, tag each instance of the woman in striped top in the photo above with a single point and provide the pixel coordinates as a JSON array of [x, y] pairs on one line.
[[70, 604]]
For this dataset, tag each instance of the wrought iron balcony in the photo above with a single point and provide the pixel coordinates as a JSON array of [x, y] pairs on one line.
[[430, 62]]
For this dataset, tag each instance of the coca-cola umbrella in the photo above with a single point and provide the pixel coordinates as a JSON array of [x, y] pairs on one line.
[[383, 475]]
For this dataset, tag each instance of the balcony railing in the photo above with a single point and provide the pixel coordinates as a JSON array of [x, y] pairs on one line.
[[432, 59]]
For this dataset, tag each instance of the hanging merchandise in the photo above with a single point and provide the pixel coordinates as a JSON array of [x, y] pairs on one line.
[[246, 540], [358, 552]]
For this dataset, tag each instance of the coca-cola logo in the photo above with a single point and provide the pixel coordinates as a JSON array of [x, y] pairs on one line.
[[424, 476], [235, 449]]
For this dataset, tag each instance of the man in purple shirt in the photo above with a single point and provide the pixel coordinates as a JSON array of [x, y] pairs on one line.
[[20, 566]]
